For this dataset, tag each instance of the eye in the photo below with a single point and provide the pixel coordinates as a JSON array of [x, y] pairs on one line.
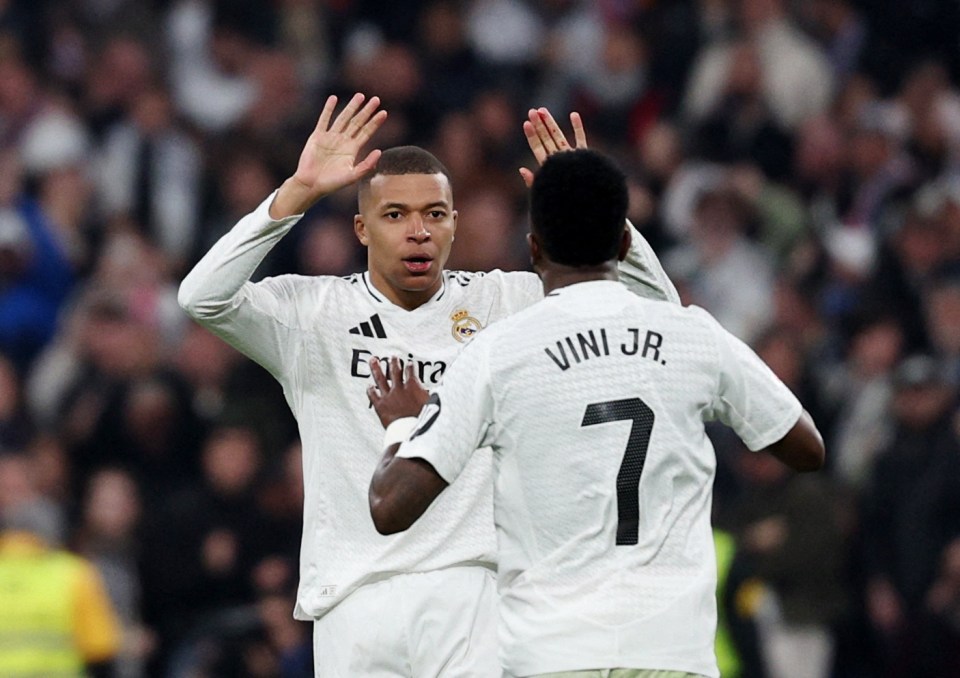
[[393, 215], [436, 214]]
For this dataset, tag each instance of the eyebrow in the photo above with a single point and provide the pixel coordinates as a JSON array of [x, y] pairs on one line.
[[405, 206]]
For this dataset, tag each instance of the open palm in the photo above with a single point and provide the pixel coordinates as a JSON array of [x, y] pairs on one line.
[[328, 161]]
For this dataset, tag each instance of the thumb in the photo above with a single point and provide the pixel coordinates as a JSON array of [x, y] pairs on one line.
[[527, 176], [366, 165]]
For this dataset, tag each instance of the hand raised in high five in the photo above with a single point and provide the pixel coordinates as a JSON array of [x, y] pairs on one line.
[[328, 161], [545, 137]]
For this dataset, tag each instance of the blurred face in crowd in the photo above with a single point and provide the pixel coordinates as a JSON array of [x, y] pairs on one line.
[[407, 222], [231, 459], [113, 507], [16, 482], [488, 245], [718, 223], [918, 406], [9, 390], [943, 318], [876, 348]]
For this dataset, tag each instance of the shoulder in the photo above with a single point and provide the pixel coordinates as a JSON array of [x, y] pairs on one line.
[[512, 290], [494, 278], [300, 286]]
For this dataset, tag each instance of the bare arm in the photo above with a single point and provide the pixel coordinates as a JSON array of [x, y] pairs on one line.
[[401, 489], [802, 447]]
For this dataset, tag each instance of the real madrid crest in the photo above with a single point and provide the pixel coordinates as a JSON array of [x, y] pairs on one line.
[[465, 326]]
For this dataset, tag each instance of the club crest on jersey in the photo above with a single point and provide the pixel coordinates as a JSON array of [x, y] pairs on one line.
[[465, 326]]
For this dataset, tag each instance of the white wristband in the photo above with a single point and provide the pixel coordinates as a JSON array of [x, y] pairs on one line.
[[399, 430]]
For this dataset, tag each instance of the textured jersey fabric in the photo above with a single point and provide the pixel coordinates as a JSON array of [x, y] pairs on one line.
[[594, 402], [316, 335]]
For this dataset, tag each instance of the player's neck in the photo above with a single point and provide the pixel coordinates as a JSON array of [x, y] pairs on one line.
[[405, 299], [554, 276]]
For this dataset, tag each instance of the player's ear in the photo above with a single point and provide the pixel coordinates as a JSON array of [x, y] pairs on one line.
[[360, 229], [455, 214], [625, 242], [536, 250]]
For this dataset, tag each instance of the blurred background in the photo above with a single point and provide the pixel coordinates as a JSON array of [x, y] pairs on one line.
[[796, 165]]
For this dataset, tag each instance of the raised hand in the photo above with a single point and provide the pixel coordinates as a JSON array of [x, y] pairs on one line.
[[401, 396], [328, 161], [546, 138]]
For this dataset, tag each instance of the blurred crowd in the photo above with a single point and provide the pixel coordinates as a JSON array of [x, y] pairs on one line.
[[796, 165]]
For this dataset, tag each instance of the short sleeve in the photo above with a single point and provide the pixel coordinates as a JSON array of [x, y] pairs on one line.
[[751, 398], [458, 417]]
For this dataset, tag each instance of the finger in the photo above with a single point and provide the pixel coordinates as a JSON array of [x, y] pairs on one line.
[[367, 164], [360, 119], [527, 176], [546, 139], [410, 377], [341, 121], [378, 377], [326, 113], [533, 140], [396, 372], [555, 132], [373, 395], [579, 134], [372, 125]]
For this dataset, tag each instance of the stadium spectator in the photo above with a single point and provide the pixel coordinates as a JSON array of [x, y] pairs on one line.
[[55, 616]]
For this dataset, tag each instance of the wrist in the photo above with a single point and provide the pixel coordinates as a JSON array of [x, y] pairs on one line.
[[399, 430], [292, 199]]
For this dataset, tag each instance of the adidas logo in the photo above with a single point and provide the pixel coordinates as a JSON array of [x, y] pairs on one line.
[[371, 328]]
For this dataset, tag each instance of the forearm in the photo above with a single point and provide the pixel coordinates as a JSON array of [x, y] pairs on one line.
[[643, 273], [292, 199], [213, 284], [401, 491]]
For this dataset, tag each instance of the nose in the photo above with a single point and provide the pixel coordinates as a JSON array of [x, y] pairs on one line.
[[417, 231]]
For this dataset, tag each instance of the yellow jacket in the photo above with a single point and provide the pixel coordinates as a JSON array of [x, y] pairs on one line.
[[55, 616]]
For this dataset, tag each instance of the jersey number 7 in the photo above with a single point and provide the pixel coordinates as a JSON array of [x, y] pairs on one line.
[[628, 479]]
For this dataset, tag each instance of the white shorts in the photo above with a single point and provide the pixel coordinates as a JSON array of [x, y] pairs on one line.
[[422, 625]]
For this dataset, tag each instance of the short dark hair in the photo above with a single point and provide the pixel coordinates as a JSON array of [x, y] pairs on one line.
[[406, 160], [578, 207]]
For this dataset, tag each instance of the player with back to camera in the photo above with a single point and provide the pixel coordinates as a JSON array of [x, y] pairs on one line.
[[420, 604], [594, 403]]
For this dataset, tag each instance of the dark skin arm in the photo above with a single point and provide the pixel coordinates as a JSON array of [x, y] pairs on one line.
[[802, 447], [402, 489]]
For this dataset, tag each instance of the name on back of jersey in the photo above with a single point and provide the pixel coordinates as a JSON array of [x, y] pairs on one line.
[[599, 343]]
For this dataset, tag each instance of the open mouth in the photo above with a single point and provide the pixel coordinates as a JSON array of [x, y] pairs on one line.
[[418, 264]]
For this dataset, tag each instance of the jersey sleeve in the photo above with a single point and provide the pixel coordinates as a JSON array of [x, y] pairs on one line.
[[751, 399], [458, 418], [642, 272], [252, 317]]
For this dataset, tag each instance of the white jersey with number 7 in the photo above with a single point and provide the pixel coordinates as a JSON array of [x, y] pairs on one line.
[[594, 402]]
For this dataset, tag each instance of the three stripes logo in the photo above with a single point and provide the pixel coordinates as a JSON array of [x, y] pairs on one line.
[[370, 328]]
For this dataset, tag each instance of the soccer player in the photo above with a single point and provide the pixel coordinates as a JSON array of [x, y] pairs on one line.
[[420, 604], [594, 402]]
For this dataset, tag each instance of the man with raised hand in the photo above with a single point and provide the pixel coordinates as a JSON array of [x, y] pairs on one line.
[[594, 402], [420, 604]]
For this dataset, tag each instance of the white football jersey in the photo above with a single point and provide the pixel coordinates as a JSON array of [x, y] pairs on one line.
[[594, 402], [316, 336]]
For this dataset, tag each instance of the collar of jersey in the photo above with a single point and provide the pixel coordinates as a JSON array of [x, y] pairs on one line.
[[379, 297], [586, 287]]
